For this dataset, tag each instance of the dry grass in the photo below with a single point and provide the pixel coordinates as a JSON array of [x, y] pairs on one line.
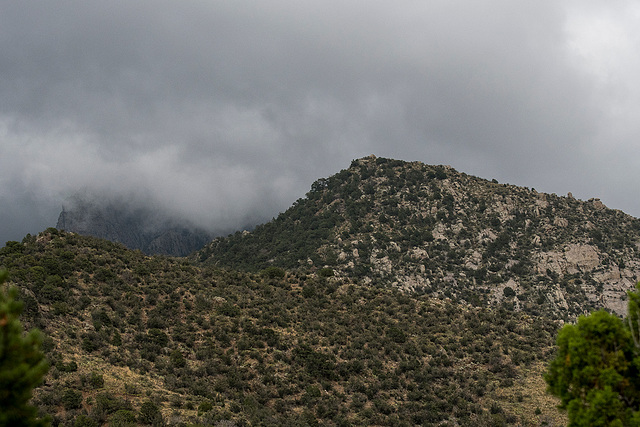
[[528, 395]]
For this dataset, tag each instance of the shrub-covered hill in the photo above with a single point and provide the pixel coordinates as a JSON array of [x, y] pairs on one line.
[[140, 339], [435, 230]]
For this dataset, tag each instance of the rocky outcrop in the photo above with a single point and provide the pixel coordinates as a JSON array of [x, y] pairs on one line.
[[574, 258], [177, 242], [136, 228]]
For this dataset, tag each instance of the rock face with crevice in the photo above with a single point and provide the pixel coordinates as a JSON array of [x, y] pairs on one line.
[[572, 259], [432, 229], [136, 228]]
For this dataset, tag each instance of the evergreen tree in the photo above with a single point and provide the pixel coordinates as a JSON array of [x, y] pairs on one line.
[[22, 363], [596, 371]]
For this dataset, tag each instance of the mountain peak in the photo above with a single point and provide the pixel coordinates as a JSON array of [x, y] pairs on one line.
[[135, 227], [432, 229]]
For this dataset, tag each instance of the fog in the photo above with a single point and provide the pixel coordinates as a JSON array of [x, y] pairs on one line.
[[223, 113]]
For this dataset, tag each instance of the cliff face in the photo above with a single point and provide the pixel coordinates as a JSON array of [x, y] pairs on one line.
[[136, 228]]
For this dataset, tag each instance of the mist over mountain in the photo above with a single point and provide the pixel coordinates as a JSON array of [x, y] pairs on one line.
[[132, 224], [220, 109]]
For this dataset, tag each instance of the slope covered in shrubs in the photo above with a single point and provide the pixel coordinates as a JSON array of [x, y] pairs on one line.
[[434, 230], [140, 339]]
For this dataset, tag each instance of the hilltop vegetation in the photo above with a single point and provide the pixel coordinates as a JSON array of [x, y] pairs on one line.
[[433, 230], [152, 340]]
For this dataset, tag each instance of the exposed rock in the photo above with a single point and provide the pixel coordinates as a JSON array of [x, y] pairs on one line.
[[573, 259], [560, 222], [419, 253], [382, 264], [136, 228], [597, 204]]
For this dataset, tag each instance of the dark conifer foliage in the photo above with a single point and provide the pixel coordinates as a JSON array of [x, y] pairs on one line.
[[22, 363]]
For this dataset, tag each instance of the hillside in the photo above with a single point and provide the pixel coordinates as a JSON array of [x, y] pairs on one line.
[[433, 230], [135, 338]]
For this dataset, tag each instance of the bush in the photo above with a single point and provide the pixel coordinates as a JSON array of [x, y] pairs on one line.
[[273, 273], [204, 407], [325, 272], [108, 403], [308, 291], [96, 380], [396, 335], [85, 421], [123, 418], [67, 367], [91, 342], [71, 399], [150, 414], [509, 292], [177, 359]]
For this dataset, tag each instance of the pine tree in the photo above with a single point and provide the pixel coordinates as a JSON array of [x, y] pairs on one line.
[[22, 363], [596, 371]]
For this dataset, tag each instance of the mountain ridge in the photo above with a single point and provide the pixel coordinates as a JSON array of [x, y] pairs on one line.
[[394, 293], [136, 227], [433, 229]]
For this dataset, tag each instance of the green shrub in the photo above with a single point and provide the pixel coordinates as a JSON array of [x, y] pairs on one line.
[[509, 292], [22, 363], [71, 399], [150, 414], [325, 272], [123, 418], [85, 421], [273, 273], [108, 403], [67, 367], [177, 359], [96, 380], [204, 407]]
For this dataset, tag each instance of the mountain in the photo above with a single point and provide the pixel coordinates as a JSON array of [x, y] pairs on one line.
[[394, 293], [136, 227], [431, 229], [153, 340]]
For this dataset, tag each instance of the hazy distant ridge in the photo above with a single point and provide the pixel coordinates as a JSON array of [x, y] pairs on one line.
[[136, 228]]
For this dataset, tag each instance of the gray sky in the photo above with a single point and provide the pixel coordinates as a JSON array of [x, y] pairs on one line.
[[223, 112]]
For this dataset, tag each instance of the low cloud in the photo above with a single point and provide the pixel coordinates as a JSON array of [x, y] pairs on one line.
[[224, 113]]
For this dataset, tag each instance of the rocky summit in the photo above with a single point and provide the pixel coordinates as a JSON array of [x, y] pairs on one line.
[[434, 230]]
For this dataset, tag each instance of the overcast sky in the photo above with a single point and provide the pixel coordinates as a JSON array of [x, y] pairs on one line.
[[223, 112]]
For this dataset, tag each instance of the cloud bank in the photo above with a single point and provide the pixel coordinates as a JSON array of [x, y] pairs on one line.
[[224, 113]]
